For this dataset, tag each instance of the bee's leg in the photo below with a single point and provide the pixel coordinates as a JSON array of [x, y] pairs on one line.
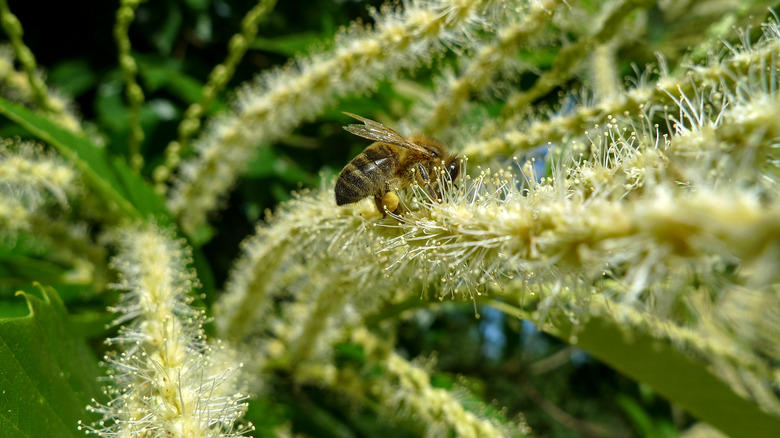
[[426, 182], [380, 205]]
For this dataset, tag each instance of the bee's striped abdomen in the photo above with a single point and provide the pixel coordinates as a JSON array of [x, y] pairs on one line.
[[366, 174]]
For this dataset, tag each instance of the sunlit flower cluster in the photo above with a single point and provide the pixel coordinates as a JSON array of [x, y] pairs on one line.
[[167, 380], [31, 177]]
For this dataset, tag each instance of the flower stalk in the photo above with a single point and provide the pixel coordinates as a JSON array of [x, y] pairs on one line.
[[134, 93]]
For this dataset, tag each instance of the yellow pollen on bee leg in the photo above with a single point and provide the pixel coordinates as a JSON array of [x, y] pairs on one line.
[[390, 201]]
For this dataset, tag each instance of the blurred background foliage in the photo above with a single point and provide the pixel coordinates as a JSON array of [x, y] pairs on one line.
[[561, 391]]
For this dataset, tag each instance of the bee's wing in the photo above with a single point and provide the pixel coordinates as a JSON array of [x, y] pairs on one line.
[[378, 132]]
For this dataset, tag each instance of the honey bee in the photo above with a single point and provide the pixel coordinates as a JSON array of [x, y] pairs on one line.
[[391, 163]]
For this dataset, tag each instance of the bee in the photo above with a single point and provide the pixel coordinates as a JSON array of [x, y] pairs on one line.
[[391, 163]]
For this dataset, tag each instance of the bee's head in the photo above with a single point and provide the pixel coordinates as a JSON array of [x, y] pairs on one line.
[[453, 168]]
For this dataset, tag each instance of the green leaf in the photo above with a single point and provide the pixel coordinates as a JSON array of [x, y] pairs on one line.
[[14, 308], [269, 163], [164, 74], [26, 258], [540, 58], [677, 377], [109, 176], [73, 77], [185, 87], [170, 28], [93, 325], [198, 5], [20, 268], [642, 421], [68, 293], [48, 375], [208, 286], [287, 45], [669, 371]]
